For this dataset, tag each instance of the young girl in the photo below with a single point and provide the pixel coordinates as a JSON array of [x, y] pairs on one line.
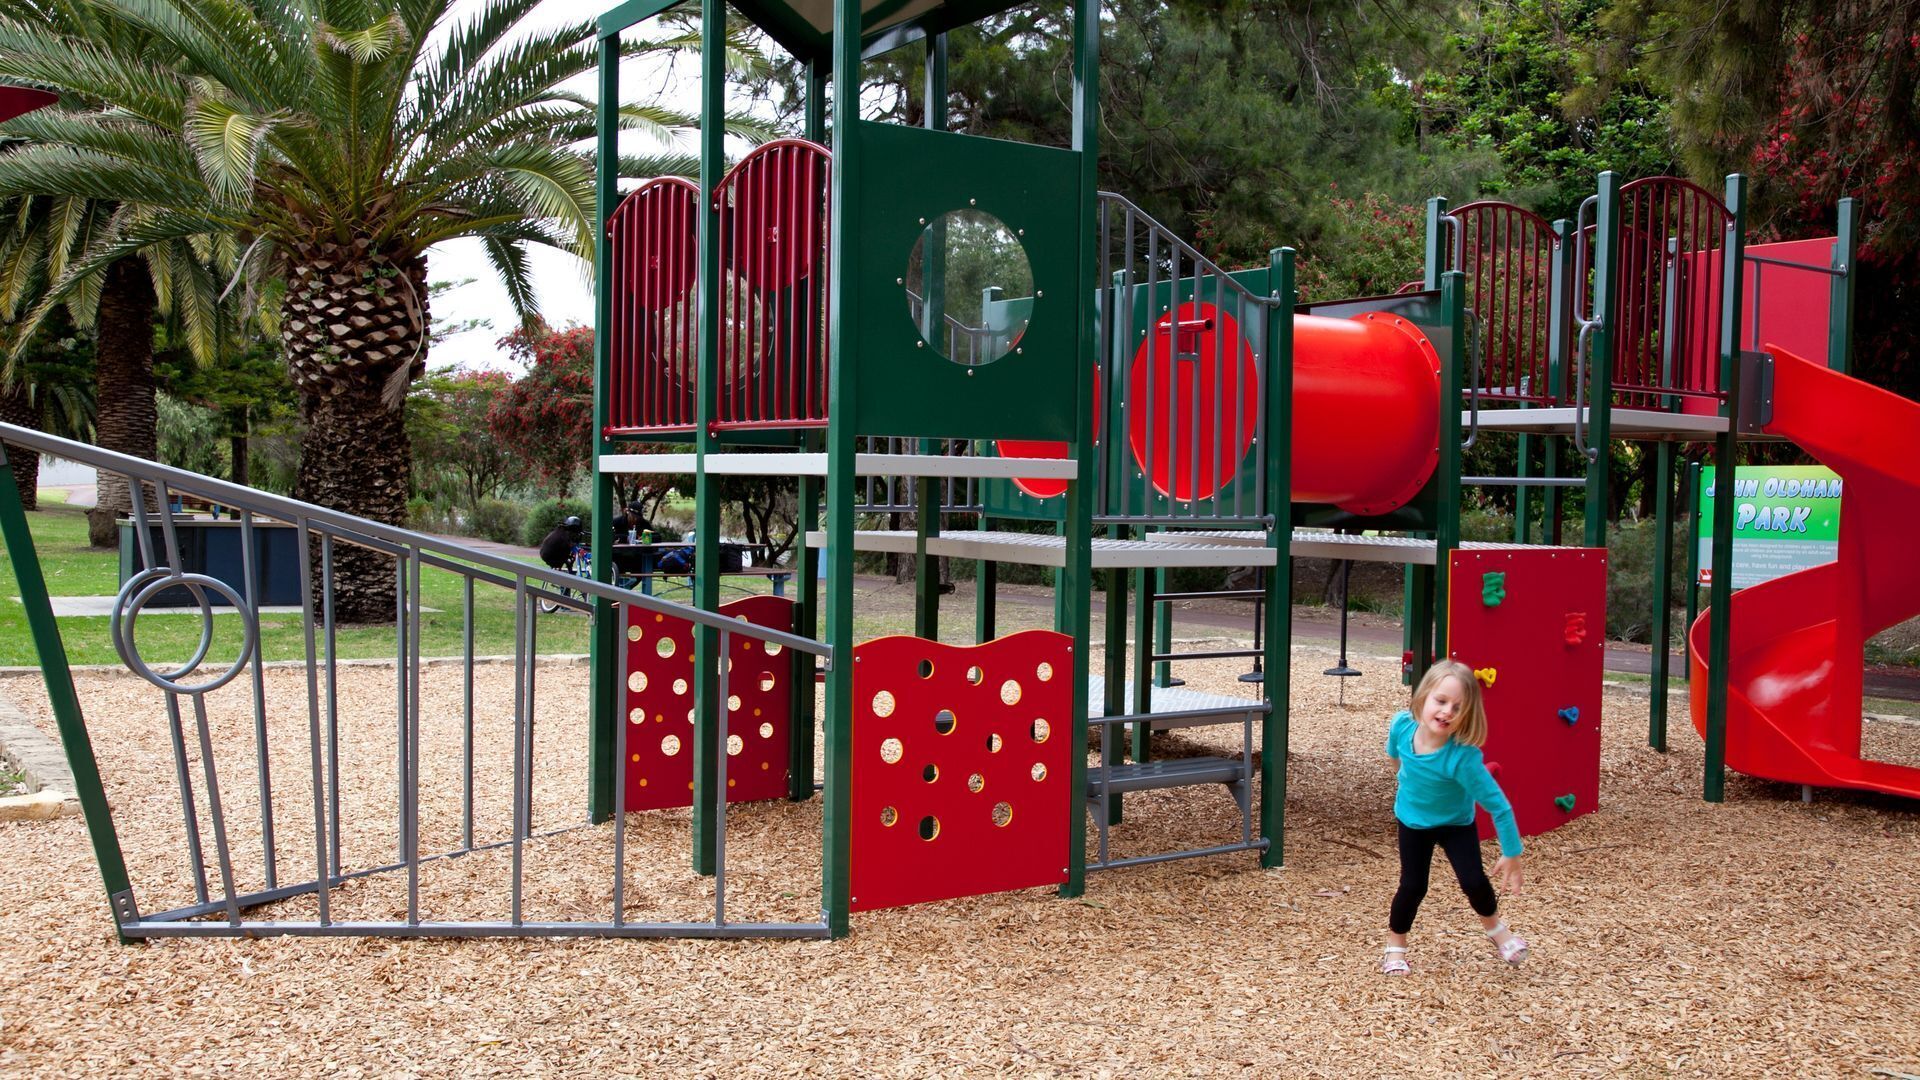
[[1442, 776]]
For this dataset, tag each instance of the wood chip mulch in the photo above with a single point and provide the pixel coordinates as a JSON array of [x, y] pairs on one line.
[[1761, 937]]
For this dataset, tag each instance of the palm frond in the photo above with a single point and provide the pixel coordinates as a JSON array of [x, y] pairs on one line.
[[226, 141]]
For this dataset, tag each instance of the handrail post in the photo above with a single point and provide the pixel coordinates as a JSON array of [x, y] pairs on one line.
[[1606, 258], [1277, 686], [64, 701], [1726, 459], [603, 696], [1840, 306]]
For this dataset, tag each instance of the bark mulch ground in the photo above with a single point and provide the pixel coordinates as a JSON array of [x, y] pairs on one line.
[[1760, 937]]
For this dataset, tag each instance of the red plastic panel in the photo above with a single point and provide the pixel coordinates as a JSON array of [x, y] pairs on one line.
[[1205, 401], [660, 707], [1543, 645], [960, 767], [773, 245], [1049, 448], [1786, 306], [654, 327]]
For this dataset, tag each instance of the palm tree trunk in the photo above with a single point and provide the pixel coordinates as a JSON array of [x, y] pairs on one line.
[[16, 407], [354, 324], [123, 380]]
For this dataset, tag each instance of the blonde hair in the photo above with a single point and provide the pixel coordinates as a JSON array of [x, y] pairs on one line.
[[1472, 729]]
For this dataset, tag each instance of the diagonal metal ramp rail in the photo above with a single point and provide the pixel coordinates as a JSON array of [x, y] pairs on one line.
[[295, 844]]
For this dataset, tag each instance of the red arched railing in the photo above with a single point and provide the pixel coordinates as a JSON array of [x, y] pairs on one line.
[[1666, 340], [1507, 255], [773, 250], [654, 326]]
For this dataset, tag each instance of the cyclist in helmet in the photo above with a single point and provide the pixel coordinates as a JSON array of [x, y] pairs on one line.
[[557, 549]]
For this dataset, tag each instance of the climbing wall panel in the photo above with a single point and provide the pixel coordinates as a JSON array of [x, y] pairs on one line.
[[1532, 622], [960, 767], [659, 768]]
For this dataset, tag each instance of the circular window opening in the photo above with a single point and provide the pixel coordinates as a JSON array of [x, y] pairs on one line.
[[969, 287]]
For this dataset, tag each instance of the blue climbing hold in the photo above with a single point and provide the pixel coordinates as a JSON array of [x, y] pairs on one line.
[[1571, 714]]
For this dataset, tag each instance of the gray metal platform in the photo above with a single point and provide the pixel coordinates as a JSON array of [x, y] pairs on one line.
[[1218, 708], [1324, 544], [1041, 549], [1164, 773]]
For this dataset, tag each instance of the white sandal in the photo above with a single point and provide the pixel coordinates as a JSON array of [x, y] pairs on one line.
[[1514, 949], [1395, 961]]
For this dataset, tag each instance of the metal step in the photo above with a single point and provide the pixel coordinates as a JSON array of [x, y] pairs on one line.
[[1167, 773]]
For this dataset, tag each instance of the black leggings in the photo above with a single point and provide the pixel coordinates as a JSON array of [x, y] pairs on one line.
[[1462, 845]]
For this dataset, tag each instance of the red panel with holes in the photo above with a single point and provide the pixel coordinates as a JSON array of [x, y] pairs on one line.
[[960, 767], [1535, 637], [660, 707]]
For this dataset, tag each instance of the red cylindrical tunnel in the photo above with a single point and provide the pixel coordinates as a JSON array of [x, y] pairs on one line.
[[1366, 411]]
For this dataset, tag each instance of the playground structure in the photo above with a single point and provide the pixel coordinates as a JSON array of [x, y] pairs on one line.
[[792, 316]]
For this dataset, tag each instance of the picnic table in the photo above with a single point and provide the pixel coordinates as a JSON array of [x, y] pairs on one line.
[[642, 561]]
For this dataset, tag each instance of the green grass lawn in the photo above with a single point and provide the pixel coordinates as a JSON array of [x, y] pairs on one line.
[[74, 569]]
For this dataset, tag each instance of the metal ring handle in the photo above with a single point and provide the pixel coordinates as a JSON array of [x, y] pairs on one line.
[[127, 610]]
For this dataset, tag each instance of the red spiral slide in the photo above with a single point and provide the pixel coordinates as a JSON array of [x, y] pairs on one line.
[[1795, 672]]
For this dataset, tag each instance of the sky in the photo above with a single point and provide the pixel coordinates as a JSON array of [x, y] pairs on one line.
[[563, 285]]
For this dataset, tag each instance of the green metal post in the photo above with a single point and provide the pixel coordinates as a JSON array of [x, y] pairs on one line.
[[842, 316], [603, 667], [1436, 251], [1278, 493], [926, 571], [986, 587], [1162, 630], [1522, 523], [807, 559], [1143, 665], [1693, 562], [1606, 254], [1078, 574], [1662, 593], [1418, 621], [61, 697], [706, 548], [1453, 308], [1726, 459], [1840, 306], [1113, 697]]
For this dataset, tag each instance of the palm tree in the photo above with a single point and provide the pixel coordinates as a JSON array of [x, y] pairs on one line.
[[117, 303], [340, 140]]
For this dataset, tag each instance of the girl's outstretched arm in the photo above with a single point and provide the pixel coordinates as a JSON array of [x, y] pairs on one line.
[[1472, 775]]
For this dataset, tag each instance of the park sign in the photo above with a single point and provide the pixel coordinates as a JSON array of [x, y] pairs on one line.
[[1785, 518]]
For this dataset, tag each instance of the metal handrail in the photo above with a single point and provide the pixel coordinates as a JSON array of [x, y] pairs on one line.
[[1177, 246], [1581, 248], [363, 532], [1582, 345], [225, 901], [1475, 343]]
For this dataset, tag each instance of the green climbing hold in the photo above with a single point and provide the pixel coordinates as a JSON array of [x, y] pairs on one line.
[[1564, 802], [1493, 587]]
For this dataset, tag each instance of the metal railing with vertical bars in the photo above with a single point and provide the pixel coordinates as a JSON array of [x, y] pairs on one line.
[[286, 818]]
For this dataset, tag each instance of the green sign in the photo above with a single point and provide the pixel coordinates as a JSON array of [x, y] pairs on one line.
[[1785, 518]]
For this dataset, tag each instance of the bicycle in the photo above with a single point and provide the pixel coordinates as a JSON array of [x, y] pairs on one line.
[[580, 564]]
